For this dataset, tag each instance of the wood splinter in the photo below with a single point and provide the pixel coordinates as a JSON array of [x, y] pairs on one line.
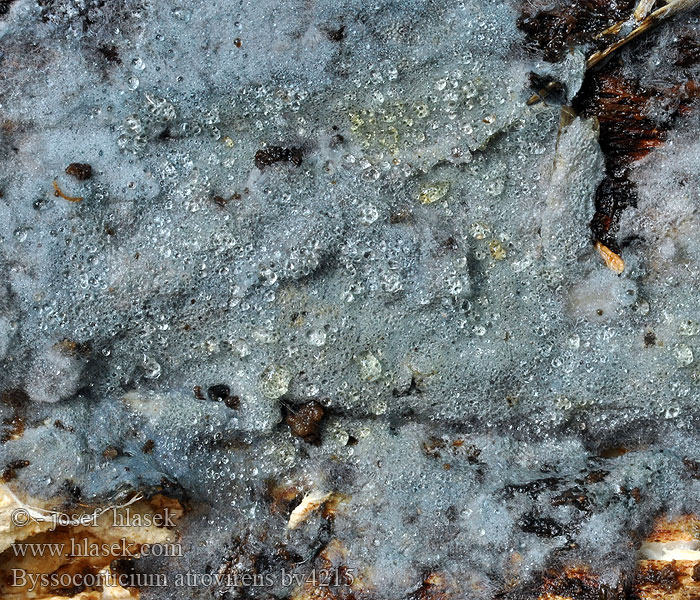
[[640, 21], [613, 261], [643, 22], [311, 502], [59, 194]]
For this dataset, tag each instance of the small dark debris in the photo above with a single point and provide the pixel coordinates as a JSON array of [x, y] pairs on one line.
[[263, 563], [288, 555], [688, 52], [692, 468], [197, 390], [437, 447], [533, 488], [221, 201], [649, 339], [545, 86], [148, 447], [111, 452], [73, 349], [5, 6], [233, 402], [275, 154], [595, 476], [15, 397], [73, 491], [15, 425], [10, 471], [613, 452], [545, 527], [446, 246], [283, 499], [41, 204], [433, 446], [336, 35], [80, 171], [471, 452], [400, 216], [572, 497], [58, 424], [634, 493], [452, 513], [219, 392], [306, 421], [15, 429], [297, 319], [222, 393], [110, 53]]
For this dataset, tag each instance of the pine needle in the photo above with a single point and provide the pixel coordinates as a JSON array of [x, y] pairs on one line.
[[673, 7]]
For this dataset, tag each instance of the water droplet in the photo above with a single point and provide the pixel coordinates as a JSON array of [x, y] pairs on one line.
[[152, 369], [370, 367], [274, 381], [317, 337], [434, 192], [683, 354]]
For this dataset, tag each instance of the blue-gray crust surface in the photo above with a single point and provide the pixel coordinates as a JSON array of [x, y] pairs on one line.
[[346, 280]]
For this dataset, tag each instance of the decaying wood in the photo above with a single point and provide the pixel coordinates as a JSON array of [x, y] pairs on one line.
[[672, 8], [311, 502], [613, 261], [639, 22], [642, 9]]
